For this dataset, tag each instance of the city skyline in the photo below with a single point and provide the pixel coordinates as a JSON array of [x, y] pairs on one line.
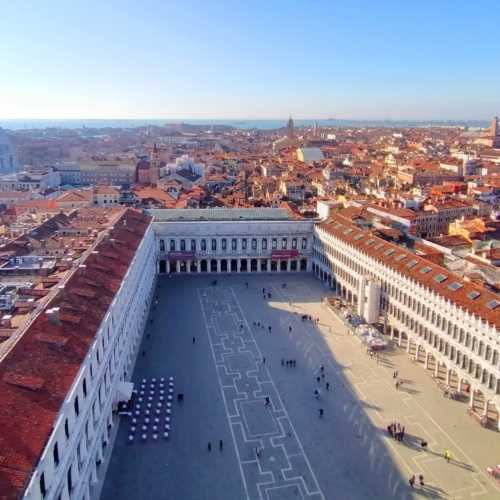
[[218, 61]]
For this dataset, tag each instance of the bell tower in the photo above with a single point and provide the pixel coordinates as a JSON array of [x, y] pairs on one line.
[[154, 166]]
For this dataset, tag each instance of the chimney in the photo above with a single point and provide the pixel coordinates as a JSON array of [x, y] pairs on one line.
[[82, 268], [53, 315], [124, 222], [6, 321]]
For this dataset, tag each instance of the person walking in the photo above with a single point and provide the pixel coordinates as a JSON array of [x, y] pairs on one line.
[[269, 328], [447, 455], [221, 445], [318, 379], [328, 386], [194, 340], [263, 361], [412, 481], [421, 479], [268, 402], [209, 446], [321, 412]]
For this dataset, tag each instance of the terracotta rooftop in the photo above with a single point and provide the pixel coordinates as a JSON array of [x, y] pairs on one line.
[[38, 371], [434, 277]]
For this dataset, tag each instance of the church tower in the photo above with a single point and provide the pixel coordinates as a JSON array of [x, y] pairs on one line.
[[290, 129], [154, 166]]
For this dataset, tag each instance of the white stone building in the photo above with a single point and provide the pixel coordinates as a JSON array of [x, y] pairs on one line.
[[443, 321], [232, 240]]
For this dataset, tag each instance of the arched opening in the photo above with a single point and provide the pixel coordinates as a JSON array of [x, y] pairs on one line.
[[283, 265], [194, 266], [263, 265], [163, 266], [293, 265], [234, 265], [274, 266], [253, 265], [243, 266], [203, 266], [183, 266], [213, 266], [173, 266], [223, 266], [303, 264]]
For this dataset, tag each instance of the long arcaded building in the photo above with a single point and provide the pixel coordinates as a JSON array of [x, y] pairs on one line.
[[61, 376]]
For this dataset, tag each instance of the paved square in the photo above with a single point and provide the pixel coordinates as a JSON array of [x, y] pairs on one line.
[[234, 363]]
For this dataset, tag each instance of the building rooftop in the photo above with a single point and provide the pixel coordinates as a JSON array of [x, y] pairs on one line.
[[218, 214], [40, 364], [473, 299]]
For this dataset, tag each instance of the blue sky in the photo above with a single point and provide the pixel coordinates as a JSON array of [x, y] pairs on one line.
[[250, 59]]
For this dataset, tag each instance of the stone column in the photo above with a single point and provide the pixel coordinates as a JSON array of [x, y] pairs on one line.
[[436, 369], [448, 376], [188, 266], [400, 338], [268, 265], [278, 265], [427, 360], [249, 268], [218, 266], [198, 266], [259, 262], [167, 267], [471, 400], [238, 266], [408, 344], [178, 266]]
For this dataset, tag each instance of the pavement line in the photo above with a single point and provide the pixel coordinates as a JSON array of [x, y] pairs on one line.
[[245, 487], [271, 381]]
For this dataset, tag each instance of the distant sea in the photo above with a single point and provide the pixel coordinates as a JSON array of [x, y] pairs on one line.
[[241, 124]]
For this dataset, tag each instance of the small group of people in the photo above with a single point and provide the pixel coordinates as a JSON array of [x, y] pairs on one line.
[[221, 445], [292, 363], [413, 480], [308, 317], [266, 294], [396, 430]]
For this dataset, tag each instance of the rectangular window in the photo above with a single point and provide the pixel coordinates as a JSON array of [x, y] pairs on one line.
[[284, 243], [172, 245], [294, 243], [66, 428], [264, 243], [193, 245], [85, 387], [234, 244], [70, 480], [203, 245], [254, 243], [224, 244], [77, 407], [275, 243], [55, 454], [183, 245], [162, 245], [43, 489], [214, 245], [304, 243], [244, 244]]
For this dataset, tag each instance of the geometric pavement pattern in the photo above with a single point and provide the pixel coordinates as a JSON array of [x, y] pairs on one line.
[[280, 470]]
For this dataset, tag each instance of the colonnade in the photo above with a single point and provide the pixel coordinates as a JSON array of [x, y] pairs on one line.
[[236, 265]]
